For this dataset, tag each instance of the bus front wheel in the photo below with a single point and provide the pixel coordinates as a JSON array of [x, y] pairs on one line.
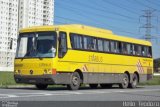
[[74, 81], [41, 86], [125, 81]]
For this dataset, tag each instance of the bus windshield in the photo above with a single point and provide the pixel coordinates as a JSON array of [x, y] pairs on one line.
[[38, 45]]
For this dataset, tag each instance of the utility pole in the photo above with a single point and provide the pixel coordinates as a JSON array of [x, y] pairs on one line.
[[148, 15]]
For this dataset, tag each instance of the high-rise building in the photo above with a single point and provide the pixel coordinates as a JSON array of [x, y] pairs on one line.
[[17, 14], [35, 12], [8, 33]]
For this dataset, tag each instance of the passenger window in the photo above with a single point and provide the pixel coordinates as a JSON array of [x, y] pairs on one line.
[[119, 47], [100, 45], [85, 42], [113, 49], [94, 43], [116, 47], [133, 52], [129, 49], [124, 48], [90, 43], [144, 51], [149, 52], [139, 52], [106, 46], [76, 41]]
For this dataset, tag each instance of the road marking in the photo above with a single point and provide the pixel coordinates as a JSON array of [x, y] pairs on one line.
[[8, 95], [44, 94]]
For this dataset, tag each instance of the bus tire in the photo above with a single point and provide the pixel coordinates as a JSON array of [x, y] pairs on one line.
[[134, 81], [106, 85], [93, 86], [125, 81], [41, 86], [75, 81]]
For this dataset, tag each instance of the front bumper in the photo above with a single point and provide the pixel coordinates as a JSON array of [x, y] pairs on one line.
[[59, 78]]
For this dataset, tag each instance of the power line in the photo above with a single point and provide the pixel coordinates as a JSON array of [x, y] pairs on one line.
[[148, 14], [93, 20], [96, 22], [74, 20], [140, 3], [101, 15], [152, 3], [116, 5], [101, 10]]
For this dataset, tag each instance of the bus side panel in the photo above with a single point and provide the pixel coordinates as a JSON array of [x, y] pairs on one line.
[[109, 71]]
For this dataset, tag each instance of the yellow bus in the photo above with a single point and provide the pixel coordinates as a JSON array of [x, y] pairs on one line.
[[72, 55]]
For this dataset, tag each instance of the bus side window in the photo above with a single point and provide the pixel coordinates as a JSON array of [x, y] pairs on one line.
[[144, 51], [100, 45], [106, 46], [149, 54], [62, 50], [119, 47], [85, 42], [133, 51], [128, 49], [76, 41], [124, 48], [72, 41], [139, 51], [112, 44], [91, 43]]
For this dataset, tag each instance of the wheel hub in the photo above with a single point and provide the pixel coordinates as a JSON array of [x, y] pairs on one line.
[[134, 81], [75, 80], [125, 81]]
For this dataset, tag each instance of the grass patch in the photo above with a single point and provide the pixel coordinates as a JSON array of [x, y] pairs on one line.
[[154, 81], [7, 78]]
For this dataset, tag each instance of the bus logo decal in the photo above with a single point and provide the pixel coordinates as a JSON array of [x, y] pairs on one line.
[[84, 68], [139, 67]]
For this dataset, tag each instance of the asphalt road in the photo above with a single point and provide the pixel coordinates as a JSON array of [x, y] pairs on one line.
[[142, 93]]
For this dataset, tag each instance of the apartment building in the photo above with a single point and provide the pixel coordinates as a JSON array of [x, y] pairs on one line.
[[8, 33], [17, 14], [35, 13]]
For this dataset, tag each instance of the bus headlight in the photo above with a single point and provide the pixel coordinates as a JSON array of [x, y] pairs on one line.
[[50, 71], [45, 71], [17, 71]]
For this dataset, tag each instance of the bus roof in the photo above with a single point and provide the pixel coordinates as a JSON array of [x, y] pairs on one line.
[[86, 30]]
